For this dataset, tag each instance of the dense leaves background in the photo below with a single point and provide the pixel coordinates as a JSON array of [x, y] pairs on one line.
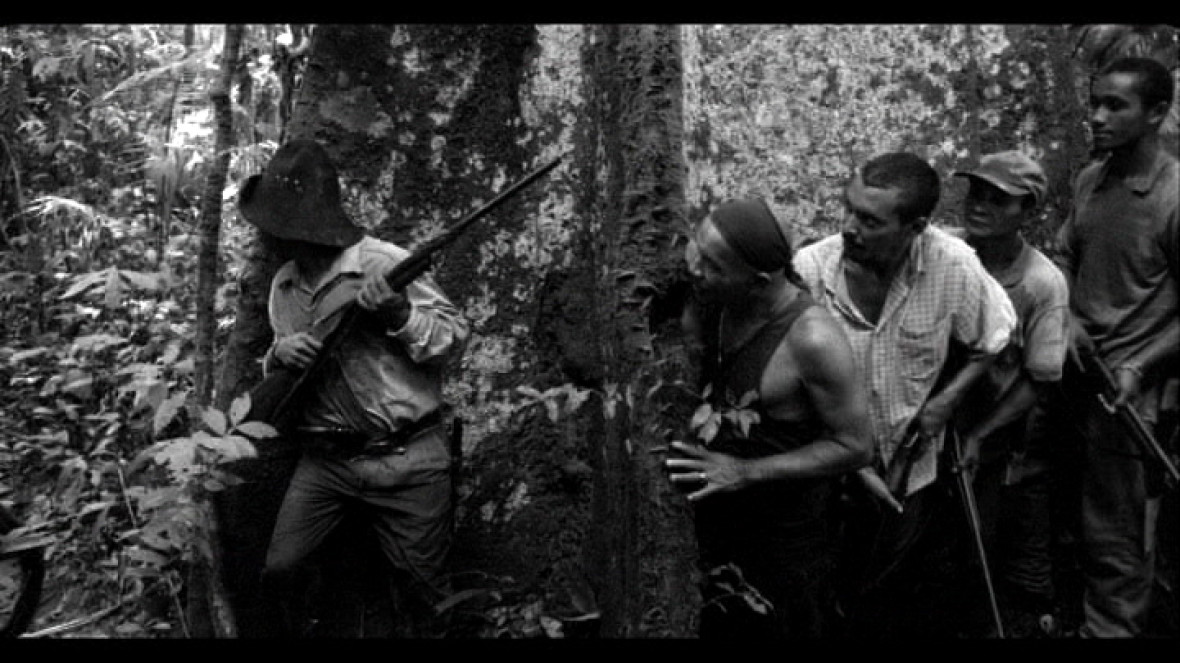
[[107, 141]]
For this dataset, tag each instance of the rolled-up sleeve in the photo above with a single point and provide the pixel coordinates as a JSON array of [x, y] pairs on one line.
[[435, 329], [984, 318]]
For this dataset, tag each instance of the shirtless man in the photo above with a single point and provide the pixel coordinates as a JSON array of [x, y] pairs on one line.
[[760, 495]]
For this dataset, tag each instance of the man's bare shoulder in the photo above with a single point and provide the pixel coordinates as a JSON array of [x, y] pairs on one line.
[[817, 337]]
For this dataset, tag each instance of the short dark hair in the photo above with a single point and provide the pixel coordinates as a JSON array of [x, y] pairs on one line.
[[1153, 81], [919, 182]]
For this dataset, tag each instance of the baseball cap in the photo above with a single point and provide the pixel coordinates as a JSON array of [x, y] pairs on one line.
[[1011, 172]]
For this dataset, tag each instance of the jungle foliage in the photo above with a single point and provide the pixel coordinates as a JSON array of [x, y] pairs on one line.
[[107, 138]]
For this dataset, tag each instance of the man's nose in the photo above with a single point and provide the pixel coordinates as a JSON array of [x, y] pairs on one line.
[[849, 226], [1098, 117]]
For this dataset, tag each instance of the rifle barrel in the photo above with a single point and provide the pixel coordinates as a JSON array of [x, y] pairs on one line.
[[963, 478], [289, 387]]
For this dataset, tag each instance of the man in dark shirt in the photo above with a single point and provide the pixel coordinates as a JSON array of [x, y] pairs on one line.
[[1119, 249], [760, 489]]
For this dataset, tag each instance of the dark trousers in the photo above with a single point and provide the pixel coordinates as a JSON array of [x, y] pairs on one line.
[[404, 498], [1018, 536], [905, 575], [768, 558], [1120, 501], [1013, 493]]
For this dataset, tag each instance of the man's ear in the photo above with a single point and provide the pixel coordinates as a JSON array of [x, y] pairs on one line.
[[1158, 113]]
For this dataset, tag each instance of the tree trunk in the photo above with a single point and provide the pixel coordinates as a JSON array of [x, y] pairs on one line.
[[209, 611], [641, 549], [208, 274]]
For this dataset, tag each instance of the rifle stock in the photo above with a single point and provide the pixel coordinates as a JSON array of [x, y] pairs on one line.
[[274, 399], [1105, 389]]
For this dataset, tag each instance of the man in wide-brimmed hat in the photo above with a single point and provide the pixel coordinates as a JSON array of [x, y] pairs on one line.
[[371, 430]]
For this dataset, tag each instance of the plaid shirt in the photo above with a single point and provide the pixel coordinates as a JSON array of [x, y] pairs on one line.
[[942, 292]]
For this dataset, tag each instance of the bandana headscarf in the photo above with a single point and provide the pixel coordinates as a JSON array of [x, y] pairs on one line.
[[749, 227]]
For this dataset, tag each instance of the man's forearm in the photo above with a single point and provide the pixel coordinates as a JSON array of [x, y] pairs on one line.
[[1014, 404], [1163, 349], [952, 393], [823, 458]]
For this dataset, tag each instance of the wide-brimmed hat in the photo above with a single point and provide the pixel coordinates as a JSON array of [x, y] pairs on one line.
[[1012, 172], [297, 197]]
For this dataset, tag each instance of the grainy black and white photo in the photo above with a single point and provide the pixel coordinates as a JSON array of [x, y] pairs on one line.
[[833, 332]]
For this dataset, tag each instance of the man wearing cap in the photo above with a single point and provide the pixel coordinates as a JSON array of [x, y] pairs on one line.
[[1120, 249], [760, 491], [903, 291], [372, 430], [1001, 420]]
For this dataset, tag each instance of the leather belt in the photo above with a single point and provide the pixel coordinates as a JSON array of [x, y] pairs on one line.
[[351, 444]]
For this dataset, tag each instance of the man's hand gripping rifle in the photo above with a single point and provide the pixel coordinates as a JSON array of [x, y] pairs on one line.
[[1100, 382], [275, 399]]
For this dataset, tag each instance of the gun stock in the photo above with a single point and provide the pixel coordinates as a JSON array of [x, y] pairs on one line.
[[273, 400], [1105, 390]]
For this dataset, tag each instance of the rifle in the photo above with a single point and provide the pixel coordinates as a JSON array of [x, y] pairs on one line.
[[274, 399], [964, 477], [1099, 381]]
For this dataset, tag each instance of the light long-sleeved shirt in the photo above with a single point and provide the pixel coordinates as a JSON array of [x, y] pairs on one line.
[[381, 378], [942, 292]]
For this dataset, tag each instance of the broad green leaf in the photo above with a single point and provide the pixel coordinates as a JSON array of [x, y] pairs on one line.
[[701, 416], [157, 497], [215, 420], [147, 557], [148, 281], [747, 398], [179, 455], [95, 343], [157, 536], [530, 392], [167, 412], [171, 353], [87, 281], [79, 388], [576, 398], [745, 419], [258, 430], [244, 447], [94, 506], [114, 290], [18, 357], [709, 430], [239, 409]]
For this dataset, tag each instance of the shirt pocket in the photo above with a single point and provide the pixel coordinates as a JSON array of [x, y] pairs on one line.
[[921, 347]]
